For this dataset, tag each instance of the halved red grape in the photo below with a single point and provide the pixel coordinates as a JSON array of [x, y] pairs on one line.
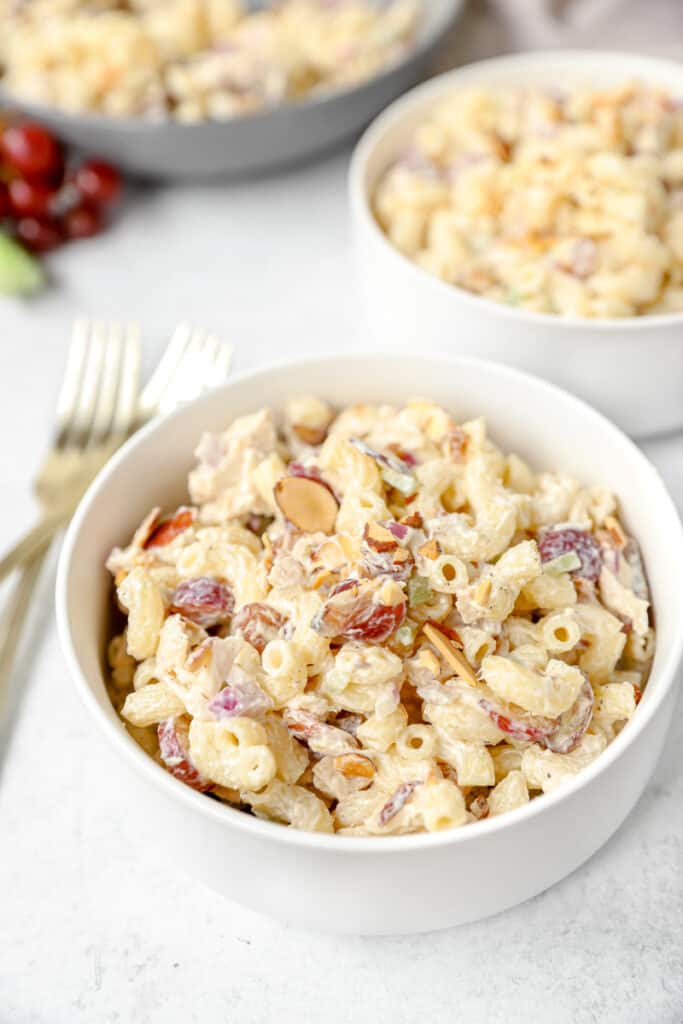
[[381, 553], [30, 149], [573, 723], [203, 600], [319, 736], [517, 724], [98, 182], [174, 744], [38, 234], [555, 542], [354, 611], [258, 624]]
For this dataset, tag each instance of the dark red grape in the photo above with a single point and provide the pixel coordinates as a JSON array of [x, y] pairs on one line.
[[29, 198], [82, 222], [555, 542], [4, 201], [174, 747], [258, 624], [203, 600], [574, 722], [98, 182], [30, 149], [354, 611], [531, 728], [38, 234]]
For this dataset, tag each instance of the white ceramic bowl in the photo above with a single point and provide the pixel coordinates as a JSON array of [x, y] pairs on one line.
[[631, 369], [404, 883]]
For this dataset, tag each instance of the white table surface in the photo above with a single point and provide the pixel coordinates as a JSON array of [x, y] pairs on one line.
[[94, 928]]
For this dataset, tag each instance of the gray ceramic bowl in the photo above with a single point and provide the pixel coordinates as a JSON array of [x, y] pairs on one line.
[[286, 134]]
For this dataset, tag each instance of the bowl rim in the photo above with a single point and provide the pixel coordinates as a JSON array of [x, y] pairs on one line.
[[429, 92], [424, 42], [228, 816]]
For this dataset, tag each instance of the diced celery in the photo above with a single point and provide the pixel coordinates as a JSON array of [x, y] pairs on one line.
[[419, 591], [563, 563], [405, 636]]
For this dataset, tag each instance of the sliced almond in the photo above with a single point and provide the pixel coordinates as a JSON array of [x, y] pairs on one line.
[[402, 556], [167, 531], [146, 528], [430, 550], [307, 503], [354, 766], [616, 531], [391, 593], [450, 633], [413, 520], [309, 435], [427, 659], [379, 538], [453, 656]]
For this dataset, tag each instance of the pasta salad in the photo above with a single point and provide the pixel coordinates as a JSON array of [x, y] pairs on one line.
[[375, 622], [195, 60], [568, 203]]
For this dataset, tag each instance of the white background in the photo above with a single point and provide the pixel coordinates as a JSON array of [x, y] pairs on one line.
[[93, 926]]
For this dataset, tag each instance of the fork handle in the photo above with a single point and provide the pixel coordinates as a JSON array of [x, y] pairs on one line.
[[30, 544], [12, 625]]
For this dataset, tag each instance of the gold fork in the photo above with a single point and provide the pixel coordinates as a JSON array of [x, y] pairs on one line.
[[98, 407], [85, 434], [96, 410]]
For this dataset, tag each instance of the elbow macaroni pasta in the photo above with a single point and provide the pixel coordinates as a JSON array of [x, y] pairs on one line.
[[381, 670], [565, 203], [195, 60]]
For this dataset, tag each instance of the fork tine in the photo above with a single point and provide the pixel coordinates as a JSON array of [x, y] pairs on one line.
[[71, 384], [165, 371], [126, 406], [186, 381], [209, 352], [109, 382], [86, 398], [221, 363], [191, 382], [194, 361]]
